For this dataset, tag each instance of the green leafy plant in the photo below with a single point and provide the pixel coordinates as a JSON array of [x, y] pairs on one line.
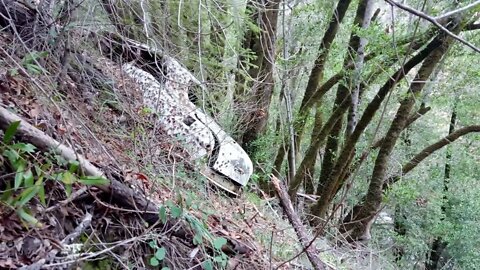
[[30, 174], [200, 228], [30, 62], [159, 255], [221, 258]]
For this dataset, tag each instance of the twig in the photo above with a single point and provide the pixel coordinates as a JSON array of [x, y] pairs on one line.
[[434, 21], [297, 226], [120, 191], [459, 10], [72, 197], [67, 240], [76, 258], [270, 250], [473, 26], [78, 230], [310, 197]]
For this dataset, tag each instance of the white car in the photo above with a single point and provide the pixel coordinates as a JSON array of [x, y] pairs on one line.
[[228, 166]]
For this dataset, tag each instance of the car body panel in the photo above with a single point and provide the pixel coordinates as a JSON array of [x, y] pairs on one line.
[[183, 121]]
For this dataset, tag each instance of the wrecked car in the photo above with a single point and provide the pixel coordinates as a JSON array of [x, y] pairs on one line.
[[228, 165]]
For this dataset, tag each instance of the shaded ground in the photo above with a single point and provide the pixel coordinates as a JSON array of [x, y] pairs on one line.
[[109, 126]]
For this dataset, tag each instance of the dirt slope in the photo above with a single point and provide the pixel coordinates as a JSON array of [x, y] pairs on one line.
[[104, 120]]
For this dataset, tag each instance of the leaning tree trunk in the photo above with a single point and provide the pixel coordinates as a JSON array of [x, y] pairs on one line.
[[306, 169], [356, 226], [353, 63], [409, 43], [315, 78], [328, 190], [438, 244]]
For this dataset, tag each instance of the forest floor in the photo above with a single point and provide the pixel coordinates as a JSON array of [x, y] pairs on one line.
[[113, 131]]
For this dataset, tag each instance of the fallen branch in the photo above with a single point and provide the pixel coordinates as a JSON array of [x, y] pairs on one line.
[[119, 192], [297, 225], [66, 241]]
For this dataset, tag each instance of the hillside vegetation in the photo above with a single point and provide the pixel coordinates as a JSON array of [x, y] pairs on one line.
[[360, 119]]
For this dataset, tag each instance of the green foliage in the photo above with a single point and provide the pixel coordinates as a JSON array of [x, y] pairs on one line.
[[219, 242], [209, 38], [105, 264], [263, 147], [30, 62], [30, 175], [159, 255], [202, 235]]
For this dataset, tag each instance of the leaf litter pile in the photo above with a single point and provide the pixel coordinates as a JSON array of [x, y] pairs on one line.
[[53, 216]]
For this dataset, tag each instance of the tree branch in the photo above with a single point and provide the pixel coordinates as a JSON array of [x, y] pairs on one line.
[[434, 21], [42, 141], [297, 226], [342, 162], [413, 117], [419, 113], [459, 10], [427, 151], [473, 26], [120, 192], [438, 145]]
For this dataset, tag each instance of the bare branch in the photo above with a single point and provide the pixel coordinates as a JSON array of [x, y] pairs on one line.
[[434, 21], [473, 26], [299, 228], [462, 9], [438, 145], [430, 150]]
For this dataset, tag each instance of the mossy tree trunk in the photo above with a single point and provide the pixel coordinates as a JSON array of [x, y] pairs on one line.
[[343, 161], [315, 78], [347, 91], [259, 91], [357, 225]]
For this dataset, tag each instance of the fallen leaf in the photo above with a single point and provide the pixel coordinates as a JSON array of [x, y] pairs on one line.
[[61, 130], [34, 112], [142, 177]]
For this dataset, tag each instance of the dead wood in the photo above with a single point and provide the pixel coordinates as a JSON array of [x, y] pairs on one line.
[[119, 192], [18, 18], [67, 240], [42, 141], [297, 225]]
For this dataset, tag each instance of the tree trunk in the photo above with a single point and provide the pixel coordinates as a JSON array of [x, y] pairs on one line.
[[352, 64], [125, 16], [362, 20], [407, 44], [255, 120], [438, 244], [317, 72], [305, 169], [358, 227], [310, 169], [315, 77], [328, 190]]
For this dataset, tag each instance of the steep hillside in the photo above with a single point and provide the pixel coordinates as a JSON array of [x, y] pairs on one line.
[[56, 214], [239, 134]]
